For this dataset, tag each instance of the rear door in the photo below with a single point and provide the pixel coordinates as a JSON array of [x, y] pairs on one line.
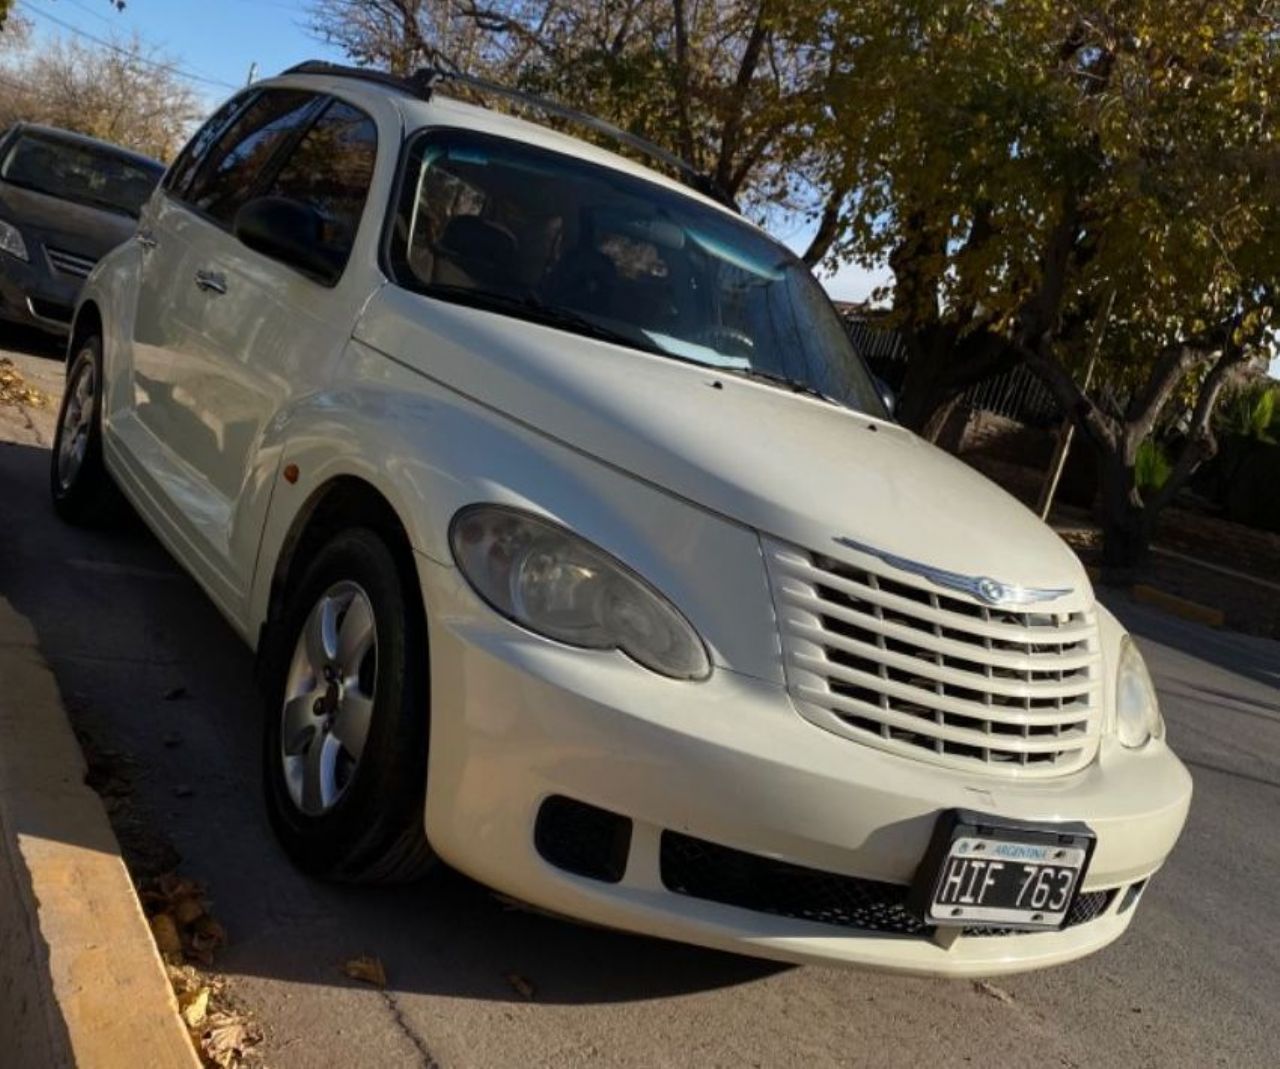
[[268, 333], [178, 428]]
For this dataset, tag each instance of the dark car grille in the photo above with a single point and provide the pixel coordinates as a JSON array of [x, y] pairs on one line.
[[731, 877], [70, 263]]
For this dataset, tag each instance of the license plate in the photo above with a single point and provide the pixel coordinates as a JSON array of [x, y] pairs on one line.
[[990, 871]]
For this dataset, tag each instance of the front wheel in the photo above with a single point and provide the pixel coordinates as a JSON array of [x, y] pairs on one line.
[[82, 491], [345, 741]]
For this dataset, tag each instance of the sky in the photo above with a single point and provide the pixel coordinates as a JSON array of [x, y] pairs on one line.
[[217, 41]]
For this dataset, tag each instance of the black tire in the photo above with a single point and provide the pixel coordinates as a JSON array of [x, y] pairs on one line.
[[374, 831], [83, 493]]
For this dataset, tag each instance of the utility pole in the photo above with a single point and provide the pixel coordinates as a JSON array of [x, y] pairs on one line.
[[253, 73], [1059, 462]]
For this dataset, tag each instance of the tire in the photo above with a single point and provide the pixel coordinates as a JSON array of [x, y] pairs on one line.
[[82, 490], [345, 746]]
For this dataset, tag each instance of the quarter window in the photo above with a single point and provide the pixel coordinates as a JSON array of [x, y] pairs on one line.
[[231, 173], [330, 170], [190, 157]]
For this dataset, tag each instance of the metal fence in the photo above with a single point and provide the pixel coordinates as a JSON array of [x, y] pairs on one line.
[[1015, 394]]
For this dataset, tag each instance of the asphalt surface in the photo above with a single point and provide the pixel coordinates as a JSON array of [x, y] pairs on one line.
[[149, 669]]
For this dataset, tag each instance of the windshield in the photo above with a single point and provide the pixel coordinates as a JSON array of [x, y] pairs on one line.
[[545, 236], [69, 170]]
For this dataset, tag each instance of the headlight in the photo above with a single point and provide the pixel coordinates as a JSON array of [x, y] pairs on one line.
[[11, 241], [1137, 709], [554, 583]]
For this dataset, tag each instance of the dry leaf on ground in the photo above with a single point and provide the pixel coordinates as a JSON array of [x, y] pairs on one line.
[[367, 969], [985, 987], [14, 389], [194, 1007], [520, 985], [168, 941], [226, 1040]]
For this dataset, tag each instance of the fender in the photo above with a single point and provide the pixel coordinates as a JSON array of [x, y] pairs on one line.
[[430, 451]]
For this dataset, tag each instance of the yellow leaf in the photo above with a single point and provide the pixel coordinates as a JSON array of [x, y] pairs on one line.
[[166, 934], [194, 1007], [367, 969]]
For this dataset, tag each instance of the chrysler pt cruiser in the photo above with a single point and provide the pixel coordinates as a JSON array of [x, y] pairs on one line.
[[579, 549]]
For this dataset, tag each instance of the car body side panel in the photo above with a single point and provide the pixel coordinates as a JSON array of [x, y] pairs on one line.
[[430, 451]]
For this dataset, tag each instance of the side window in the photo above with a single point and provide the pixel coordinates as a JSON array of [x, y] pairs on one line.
[[175, 181], [330, 169], [230, 173]]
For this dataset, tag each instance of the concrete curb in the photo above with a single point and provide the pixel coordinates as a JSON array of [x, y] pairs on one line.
[[1176, 606], [1183, 608], [81, 982]]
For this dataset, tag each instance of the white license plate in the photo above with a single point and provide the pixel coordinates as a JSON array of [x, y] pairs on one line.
[[981, 873]]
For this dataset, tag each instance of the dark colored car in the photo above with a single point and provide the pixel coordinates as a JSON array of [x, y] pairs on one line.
[[65, 202]]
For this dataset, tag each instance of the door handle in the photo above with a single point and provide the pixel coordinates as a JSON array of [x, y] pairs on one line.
[[211, 282], [146, 241]]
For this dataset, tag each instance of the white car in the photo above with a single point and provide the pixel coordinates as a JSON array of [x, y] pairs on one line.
[[579, 551]]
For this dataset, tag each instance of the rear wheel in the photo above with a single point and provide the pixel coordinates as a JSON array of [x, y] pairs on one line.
[[345, 742], [83, 492]]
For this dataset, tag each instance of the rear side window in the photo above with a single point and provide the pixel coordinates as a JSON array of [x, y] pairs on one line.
[[330, 169], [232, 172]]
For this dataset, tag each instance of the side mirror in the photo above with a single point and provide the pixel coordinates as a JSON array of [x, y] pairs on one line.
[[887, 397], [288, 231]]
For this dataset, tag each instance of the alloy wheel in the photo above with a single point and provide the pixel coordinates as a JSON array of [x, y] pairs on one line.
[[77, 422], [329, 697]]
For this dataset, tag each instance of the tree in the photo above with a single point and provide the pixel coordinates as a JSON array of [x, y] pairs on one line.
[[735, 88], [1027, 171], [120, 96], [1024, 168]]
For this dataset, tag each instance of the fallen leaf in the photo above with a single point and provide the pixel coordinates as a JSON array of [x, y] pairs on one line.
[[985, 987], [368, 969], [520, 985], [175, 694], [188, 910], [225, 1039], [166, 934], [194, 1007]]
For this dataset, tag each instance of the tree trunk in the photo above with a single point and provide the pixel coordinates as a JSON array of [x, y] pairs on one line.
[[1126, 522]]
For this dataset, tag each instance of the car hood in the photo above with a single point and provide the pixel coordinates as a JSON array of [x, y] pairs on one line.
[[66, 224], [788, 465]]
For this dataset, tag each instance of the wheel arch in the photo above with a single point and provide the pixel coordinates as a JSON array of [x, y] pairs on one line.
[[342, 502], [88, 322]]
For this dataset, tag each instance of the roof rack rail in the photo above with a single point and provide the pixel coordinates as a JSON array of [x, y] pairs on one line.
[[423, 82]]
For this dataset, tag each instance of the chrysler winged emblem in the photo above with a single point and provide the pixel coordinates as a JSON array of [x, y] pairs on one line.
[[983, 587]]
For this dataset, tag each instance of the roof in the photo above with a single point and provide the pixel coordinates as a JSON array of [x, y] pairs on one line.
[[58, 134], [426, 103]]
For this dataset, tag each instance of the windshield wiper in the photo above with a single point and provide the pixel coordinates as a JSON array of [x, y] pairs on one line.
[[786, 382], [539, 312]]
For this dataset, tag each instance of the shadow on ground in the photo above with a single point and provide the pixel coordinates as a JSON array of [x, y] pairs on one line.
[[158, 681]]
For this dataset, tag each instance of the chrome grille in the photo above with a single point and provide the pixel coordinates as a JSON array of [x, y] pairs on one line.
[[886, 658], [70, 263]]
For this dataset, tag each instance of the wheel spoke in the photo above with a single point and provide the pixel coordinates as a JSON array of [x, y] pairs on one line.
[[351, 725], [300, 722], [356, 636], [319, 786], [321, 635]]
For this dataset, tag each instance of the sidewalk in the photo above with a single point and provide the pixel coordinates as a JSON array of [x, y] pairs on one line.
[[81, 983]]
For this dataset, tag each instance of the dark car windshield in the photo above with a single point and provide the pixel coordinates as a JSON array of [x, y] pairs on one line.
[[587, 248], [70, 170]]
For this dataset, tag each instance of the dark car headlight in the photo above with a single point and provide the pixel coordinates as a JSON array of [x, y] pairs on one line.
[[551, 581]]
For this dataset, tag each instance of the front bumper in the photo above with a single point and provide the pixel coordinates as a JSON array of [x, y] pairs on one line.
[[517, 719], [36, 297]]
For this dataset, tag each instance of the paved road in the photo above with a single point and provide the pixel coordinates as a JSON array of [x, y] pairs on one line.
[[1195, 983]]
